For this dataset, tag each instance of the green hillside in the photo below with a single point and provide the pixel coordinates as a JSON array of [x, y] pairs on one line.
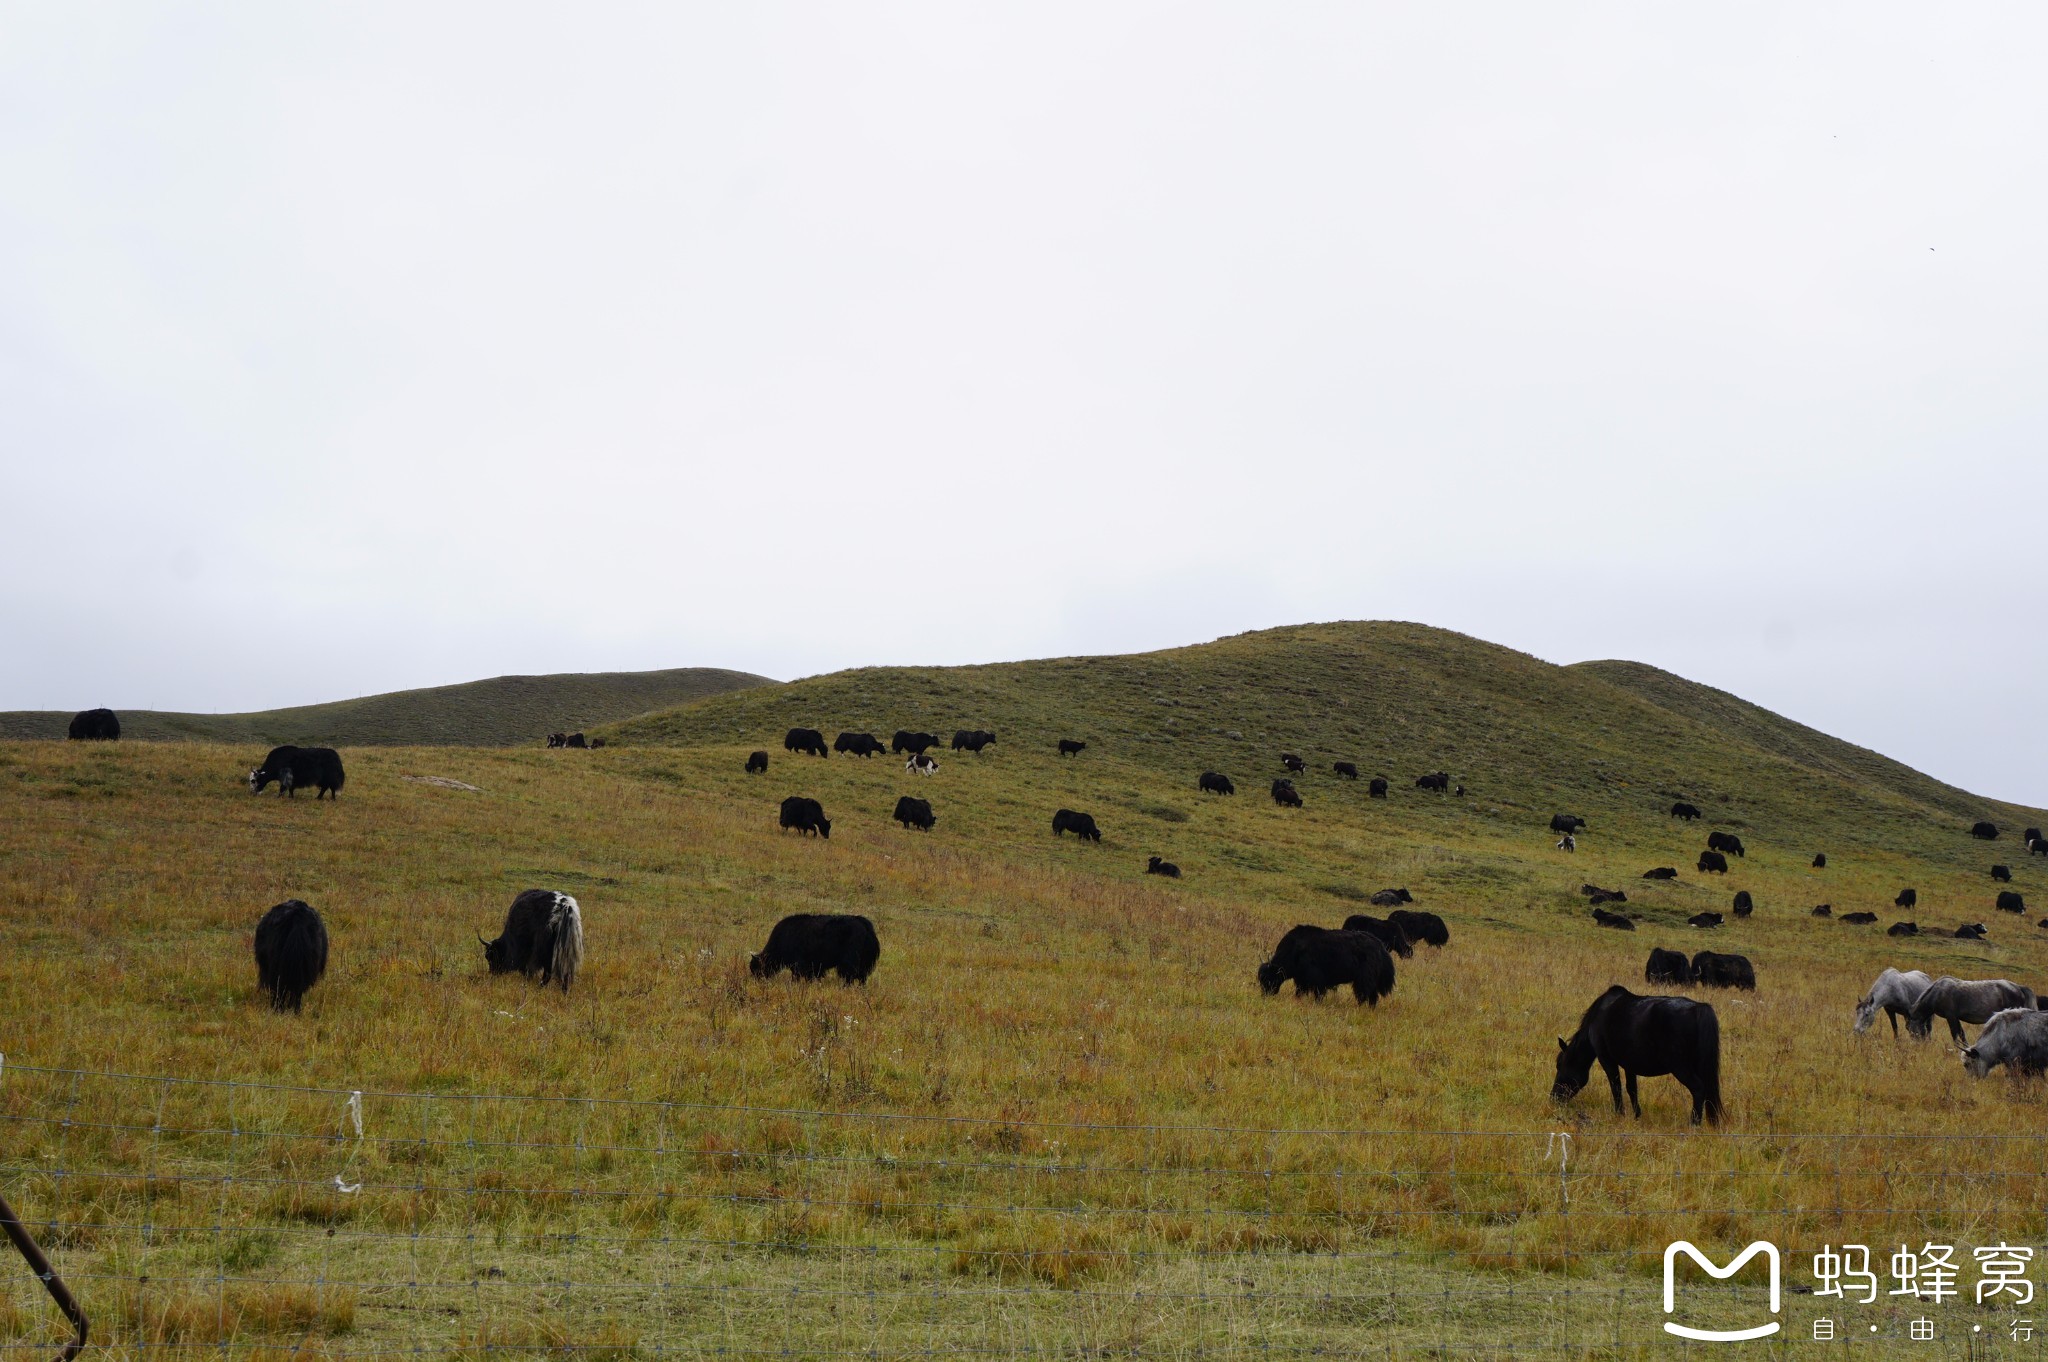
[[501, 712], [1525, 737]]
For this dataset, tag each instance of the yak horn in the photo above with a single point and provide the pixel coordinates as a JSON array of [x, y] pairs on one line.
[[480, 940]]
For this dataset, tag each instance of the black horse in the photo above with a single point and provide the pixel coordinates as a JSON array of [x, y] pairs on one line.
[[1636, 1037]]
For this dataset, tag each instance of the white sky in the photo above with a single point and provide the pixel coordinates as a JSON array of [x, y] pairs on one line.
[[351, 348]]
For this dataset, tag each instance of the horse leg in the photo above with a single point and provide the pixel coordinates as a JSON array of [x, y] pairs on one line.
[[1955, 1029], [1633, 1100], [1893, 1013], [1608, 1067]]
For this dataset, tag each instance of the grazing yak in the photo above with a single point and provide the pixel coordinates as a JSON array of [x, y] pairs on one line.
[[915, 813], [1566, 822], [1907, 898], [1293, 763], [1893, 991], [1082, 825], [1667, 967], [858, 744], [812, 945], [1725, 841], [808, 740], [94, 725], [1427, 928], [317, 768], [1392, 898], [1984, 832], [1377, 789], [542, 939], [1346, 769], [1820, 860], [1713, 863], [2016, 1037], [1662, 872], [806, 816], [1567, 843], [907, 741], [558, 740], [1614, 920], [1285, 794], [1387, 933], [2002, 873], [1439, 781], [1705, 919], [2011, 902], [1903, 929], [757, 762], [1318, 959], [1823, 910], [1635, 1037], [1215, 782], [1744, 904], [1711, 969], [1070, 748], [972, 740], [2032, 840], [1684, 810], [1859, 919], [291, 954], [1155, 866], [918, 764], [1956, 1001]]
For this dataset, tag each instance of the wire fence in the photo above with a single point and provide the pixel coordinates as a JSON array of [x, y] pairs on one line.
[[246, 1219]]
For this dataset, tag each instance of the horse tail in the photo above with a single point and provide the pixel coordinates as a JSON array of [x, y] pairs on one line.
[[565, 922], [1707, 1057]]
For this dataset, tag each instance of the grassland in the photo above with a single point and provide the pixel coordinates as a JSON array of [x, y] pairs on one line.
[[504, 711], [1060, 1118]]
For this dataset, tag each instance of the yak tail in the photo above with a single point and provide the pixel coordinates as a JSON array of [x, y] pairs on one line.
[[565, 922], [1708, 1057]]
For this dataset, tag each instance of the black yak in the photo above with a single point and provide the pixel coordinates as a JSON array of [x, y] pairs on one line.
[[1635, 1037], [1070, 748], [1744, 904], [1318, 959], [558, 740], [806, 816], [812, 945], [1345, 769], [1155, 866], [1427, 928], [1284, 793], [1907, 898], [906, 740], [95, 725], [757, 762], [1215, 782], [1662, 872], [1614, 920], [1705, 920], [915, 813], [1293, 763], [1725, 841], [1860, 919], [1566, 822], [858, 744], [1392, 898], [1387, 933], [1903, 929], [576, 740], [1820, 860], [1710, 969], [291, 954], [1984, 832], [2002, 873], [318, 768], [542, 939], [2011, 902], [1082, 825], [807, 740], [972, 740], [1439, 781], [1823, 910], [1971, 931], [1713, 863], [1377, 789], [1684, 810], [1667, 967]]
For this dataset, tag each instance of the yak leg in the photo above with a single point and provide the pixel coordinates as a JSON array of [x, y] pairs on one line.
[[1633, 1100], [1613, 1082]]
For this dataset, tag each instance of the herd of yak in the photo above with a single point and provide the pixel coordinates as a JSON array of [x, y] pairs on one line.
[[1627, 1035]]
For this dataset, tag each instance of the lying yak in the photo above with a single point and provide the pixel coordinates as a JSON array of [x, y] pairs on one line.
[[1156, 866], [812, 945], [1614, 920], [1318, 959]]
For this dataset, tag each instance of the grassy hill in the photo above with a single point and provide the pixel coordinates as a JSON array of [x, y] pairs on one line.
[[1525, 737], [501, 712]]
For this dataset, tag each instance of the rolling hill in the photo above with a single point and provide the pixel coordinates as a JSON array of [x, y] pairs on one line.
[[501, 712]]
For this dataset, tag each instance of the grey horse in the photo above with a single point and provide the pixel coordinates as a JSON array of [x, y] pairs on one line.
[[2017, 1037], [1964, 1000], [1895, 993]]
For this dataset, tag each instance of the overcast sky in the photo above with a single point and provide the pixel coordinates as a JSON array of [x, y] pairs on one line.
[[351, 348]]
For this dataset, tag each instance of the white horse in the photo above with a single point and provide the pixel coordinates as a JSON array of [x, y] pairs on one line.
[[1895, 993]]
